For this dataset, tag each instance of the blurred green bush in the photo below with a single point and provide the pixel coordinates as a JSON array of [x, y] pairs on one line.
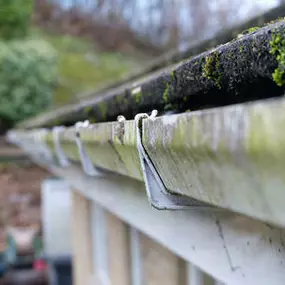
[[15, 18], [28, 72]]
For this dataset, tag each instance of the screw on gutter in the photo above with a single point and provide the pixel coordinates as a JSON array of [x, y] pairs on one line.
[[85, 159], [121, 119], [152, 116]]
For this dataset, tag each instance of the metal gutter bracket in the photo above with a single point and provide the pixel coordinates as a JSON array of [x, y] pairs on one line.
[[158, 195], [43, 151], [86, 161], [60, 155]]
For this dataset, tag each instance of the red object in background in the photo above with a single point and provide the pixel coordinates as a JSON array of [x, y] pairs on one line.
[[40, 265]]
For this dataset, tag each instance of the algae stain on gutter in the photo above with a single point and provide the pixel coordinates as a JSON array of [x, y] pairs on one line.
[[124, 138], [265, 146], [192, 149], [220, 132], [169, 125]]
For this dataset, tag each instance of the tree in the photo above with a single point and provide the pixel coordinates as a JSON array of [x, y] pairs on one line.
[[15, 18]]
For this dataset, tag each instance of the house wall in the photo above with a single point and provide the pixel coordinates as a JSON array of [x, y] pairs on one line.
[[108, 251]]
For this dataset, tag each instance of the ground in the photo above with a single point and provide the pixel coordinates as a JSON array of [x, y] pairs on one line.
[[20, 199], [20, 203]]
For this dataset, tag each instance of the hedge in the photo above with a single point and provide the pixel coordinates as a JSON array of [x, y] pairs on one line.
[[28, 72], [15, 17]]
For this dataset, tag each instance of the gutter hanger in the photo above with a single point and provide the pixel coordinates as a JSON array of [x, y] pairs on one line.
[[158, 195]]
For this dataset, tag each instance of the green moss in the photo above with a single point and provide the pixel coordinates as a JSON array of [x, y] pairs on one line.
[[103, 110], [211, 68], [248, 31], [119, 98], [230, 55], [138, 97], [252, 30], [165, 95], [56, 122], [172, 73], [122, 100], [88, 110], [92, 120], [241, 48], [277, 45]]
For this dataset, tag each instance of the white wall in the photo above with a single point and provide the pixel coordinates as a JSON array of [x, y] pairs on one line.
[[56, 213]]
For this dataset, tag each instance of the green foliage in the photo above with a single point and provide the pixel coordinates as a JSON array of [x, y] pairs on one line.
[[27, 77], [277, 44], [15, 18], [138, 97], [82, 67]]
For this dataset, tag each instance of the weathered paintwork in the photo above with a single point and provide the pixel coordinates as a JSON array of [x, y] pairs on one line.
[[232, 157], [111, 146]]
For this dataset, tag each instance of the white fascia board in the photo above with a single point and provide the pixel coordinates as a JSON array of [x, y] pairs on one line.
[[232, 248]]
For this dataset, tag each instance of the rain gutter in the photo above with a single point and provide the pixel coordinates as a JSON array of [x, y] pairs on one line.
[[230, 157]]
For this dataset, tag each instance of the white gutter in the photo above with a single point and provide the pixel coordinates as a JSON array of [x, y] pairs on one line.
[[230, 157]]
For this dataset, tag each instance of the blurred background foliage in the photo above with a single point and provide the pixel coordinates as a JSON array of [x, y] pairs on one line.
[[27, 67], [40, 68], [15, 18], [82, 66], [28, 72]]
